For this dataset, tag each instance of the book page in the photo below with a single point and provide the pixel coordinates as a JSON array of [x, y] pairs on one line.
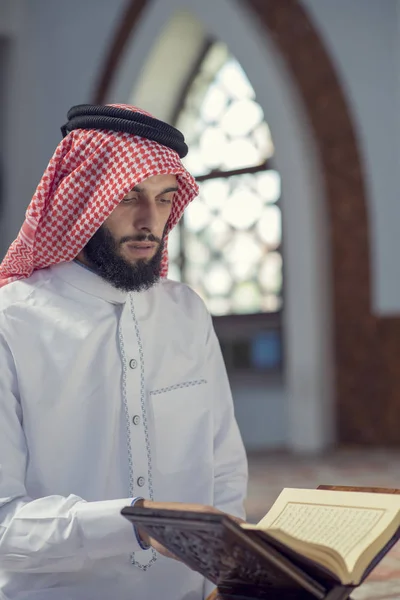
[[340, 528], [347, 522]]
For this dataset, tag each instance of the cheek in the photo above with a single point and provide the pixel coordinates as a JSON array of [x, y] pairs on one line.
[[165, 218], [116, 222]]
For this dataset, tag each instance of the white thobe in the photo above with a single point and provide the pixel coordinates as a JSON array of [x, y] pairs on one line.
[[105, 396]]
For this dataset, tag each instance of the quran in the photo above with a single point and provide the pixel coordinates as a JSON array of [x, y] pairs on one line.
[[311, 544]]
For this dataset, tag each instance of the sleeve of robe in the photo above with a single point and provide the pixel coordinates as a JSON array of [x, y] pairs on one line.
[[54, 533], [230, 463]]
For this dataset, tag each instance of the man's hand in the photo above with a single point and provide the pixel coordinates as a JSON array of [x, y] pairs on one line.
[[214, 595], [173, 506]]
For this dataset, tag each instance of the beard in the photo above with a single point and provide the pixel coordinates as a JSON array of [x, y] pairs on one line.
[[102, 254]]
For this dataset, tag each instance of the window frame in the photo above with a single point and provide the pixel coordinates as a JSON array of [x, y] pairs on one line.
[[229, 327]]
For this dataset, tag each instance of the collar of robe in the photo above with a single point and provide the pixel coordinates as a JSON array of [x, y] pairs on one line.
[[89, 282]]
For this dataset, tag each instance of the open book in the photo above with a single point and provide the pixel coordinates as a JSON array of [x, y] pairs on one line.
[[309, 544], [341, 531]]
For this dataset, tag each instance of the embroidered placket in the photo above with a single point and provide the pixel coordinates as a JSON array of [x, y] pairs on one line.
[[137, 430]]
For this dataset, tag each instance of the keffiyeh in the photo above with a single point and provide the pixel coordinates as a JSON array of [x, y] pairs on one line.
[[89, 174]]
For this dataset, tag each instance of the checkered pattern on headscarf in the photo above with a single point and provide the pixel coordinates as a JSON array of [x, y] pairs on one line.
[[89, 174]]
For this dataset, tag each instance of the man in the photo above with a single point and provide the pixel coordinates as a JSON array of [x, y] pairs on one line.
[[112, 384]]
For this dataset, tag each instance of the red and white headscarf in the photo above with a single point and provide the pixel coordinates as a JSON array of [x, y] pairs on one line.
[[89, 174]]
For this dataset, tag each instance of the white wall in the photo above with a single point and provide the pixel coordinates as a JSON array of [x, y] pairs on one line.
[[56, 51], [260, 411], [362, 37]]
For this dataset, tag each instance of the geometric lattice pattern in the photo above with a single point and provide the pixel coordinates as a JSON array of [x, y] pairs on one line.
[[228, 245]]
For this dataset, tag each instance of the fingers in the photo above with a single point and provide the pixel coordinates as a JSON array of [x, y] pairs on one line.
[[237, 519], [162, 550], [214, 595], [143, 535]]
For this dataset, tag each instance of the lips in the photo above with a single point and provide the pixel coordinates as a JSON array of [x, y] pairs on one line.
[[138, 250], [141, 245]]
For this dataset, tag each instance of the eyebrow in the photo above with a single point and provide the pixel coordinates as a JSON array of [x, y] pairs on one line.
[[167, 190]]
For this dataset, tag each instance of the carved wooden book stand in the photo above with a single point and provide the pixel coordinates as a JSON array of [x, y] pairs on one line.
[[244, 565]]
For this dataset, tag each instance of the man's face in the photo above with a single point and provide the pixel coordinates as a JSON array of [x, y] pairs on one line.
[[127, 249]]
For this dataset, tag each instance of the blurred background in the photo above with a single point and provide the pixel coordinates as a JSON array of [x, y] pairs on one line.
[[291, 112]]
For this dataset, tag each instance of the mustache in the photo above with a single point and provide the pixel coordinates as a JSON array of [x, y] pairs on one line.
[[140, 238]]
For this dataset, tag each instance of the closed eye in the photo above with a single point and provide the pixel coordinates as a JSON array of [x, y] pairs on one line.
[[129, 199]]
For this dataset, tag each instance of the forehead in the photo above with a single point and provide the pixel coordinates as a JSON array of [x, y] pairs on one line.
[[157, 182]]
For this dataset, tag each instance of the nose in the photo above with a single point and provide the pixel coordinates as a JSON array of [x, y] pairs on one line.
[[145, 216]]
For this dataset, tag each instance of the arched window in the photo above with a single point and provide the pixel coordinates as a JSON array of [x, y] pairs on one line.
[[228, 246]]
